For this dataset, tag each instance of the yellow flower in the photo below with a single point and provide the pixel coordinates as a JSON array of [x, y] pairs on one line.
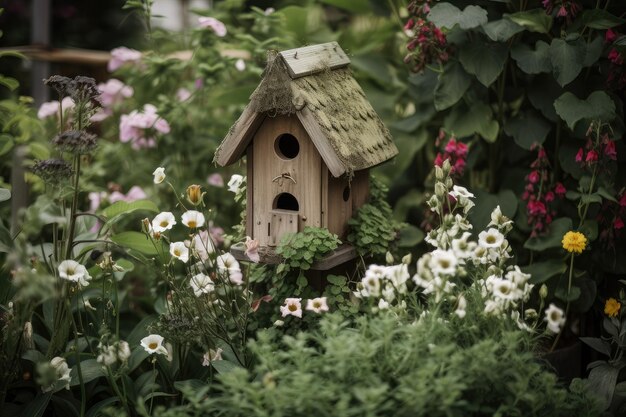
[[574, 242], [612, 307]]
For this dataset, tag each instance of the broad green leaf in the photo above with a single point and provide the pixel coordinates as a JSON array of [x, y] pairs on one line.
[[601, 19], [553, 237], [543, 271], [532, 61], [535, 20], [4, 194], [501, 30], [195, 384], [137, 241], [9, 82], [6, 144], [485, 60], [597, 106], [224, 366], [598, 344], [446, 15], [567, 59], [90, 369], [593, 51], [453, 82], [563, 294], [413, 122], [122, 207], [542, 92], [602, 380], [506, 199], [528, 129], [409, 236], [478, 118], [354, 6], [95, 409], [373, 65]]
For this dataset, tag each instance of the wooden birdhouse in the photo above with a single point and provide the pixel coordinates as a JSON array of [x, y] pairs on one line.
[[310, 137]]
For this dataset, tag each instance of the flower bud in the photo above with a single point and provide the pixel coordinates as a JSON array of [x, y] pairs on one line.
[[530, 313], [389, 258], [439, 173], [194, 194], [449, 182], [440, 189], [446, 166], [543, 291], [406, 259]]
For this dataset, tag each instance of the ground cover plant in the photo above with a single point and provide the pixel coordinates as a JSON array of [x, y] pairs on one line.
[[492, 239]]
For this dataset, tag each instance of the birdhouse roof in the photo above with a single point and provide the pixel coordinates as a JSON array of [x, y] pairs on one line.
[[316, 85]]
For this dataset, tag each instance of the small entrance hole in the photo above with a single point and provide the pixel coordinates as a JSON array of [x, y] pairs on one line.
[[287, 146], [346, 193], [286, 201]]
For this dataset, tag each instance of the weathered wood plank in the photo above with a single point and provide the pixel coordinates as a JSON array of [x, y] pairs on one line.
[[315, 58], [323, 146], [282, 222], [342, 254], [239, 137], [250, 193]]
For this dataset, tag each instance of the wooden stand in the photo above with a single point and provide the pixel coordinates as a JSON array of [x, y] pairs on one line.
[[342, 254]]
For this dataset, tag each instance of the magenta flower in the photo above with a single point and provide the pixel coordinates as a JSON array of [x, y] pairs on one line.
[[560, 190], [579, 155], [592, 156], [135, 193], [610, 151], [252, 249], [215, 180], [215, 25], [139, 128], [534, 177], [121, 56]]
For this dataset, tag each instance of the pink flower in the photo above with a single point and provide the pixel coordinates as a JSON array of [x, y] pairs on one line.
[[215, 180], [215, 25], [203, 245], [610, 151], [610, 36], [113, 92], [622, 200], [560, 190], [138, 127], [579, 155], [592, 156], [439, 160], [217, 234], [240, 65], [618, 223], [461, 149], [122, 55], [536, 207], [451, 146], [562, 12], [549, 196], [182, 94], [252, 249], [135, 193], [95, 199], [533, 177], [615, 57], [51, 108]]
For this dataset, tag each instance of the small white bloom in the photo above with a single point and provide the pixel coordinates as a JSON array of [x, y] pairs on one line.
[[201, 284], [443, 262], [163, 221], [382, 304], [211, 356], [235, 183], [279, 323], [154, 344], [317, 305], [292, 307], [75, 272], [505, 290], [461, 306], [458, 192], [179, 251], [193, 219], [123, 351], [463, 248], [62, 370], [491, 238], [159, 175], [518, 277], [226, 263], [240, 65], [555, 318]]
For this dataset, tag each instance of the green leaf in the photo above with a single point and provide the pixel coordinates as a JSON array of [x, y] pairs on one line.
[[528, 129], [600, 19], [122, 207], [597, 106], [602, 380], [606, 194], [532, 61], [597, 344], [9, 82], [485, 60], [194, 384], [506, 199], [553, 238], [543, 271], [542, 92], [138, 241], [90, 369], [501, 30], [478, 118], [593, 51], [354, 6], [446, 15], [409, 236], [4, 194], [224, 366], [37, 407], [452, 83], [562, 294], [95, 409], [535, 20], [567, 59]]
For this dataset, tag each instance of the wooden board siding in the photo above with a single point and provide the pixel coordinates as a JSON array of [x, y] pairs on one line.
[[360, 189], [339, 210], [267, 182]]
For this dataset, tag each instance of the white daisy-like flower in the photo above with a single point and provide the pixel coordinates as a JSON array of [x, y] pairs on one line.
[[317, 305], [461, 305], [517, 276], [555, 318], [75, 272], [154, 344], [383, 304], [193, 219], [211, 356], [371, 284], [201, 284], [159, 175], [458, 192], [292, 307], [506, 290], [227, 264], [234, 184], [203, 245], [491, 238], [163, 221], [398, 275], [179, 251], [443, 262], [462, 247], [62, 370]]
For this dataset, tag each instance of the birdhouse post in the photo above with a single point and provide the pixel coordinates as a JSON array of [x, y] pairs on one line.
[[310, 136]]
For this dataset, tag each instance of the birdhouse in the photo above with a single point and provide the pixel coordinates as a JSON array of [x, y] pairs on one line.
[[310, 137]]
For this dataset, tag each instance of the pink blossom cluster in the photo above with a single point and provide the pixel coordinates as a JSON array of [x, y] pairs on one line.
[[428, 43], [97, 198], [215, 25], [455, 151], [51, 108], [539, 194], [139, 127], [121, 56], [599, 148], [112, 93], [616, 77], [564, 8]]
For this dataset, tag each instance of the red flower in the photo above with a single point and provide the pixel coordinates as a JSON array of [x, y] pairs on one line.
[[461, 149], [610, 151], [579, 155], [560, 190], [451, 146], [534, 177], [549, 196], [610, 36], [592, 156], [618, 223], [615, 57], [562, 12], [536, 207], [622, 200], [439, 160], [409, 24]]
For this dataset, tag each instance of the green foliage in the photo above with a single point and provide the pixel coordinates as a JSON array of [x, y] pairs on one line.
[[301, 250], [371, 231]]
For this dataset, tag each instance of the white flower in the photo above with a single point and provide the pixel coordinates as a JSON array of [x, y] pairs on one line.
[[462, 248], [398, 275], [279, 323], [317, 305], [75, 272], [292, 307], [203, 245], [555, 318], [240, 65], [61, 370], [443, 262], [234, 184], [179, 251], [193, 219], [163, 221], [458, 191], [201, 284], [515, 316], [226, 263], [212, 356], [518, 277], [461, 305], [382, 304], [159, 175], [123, 351], [154, 344], [491, 238]]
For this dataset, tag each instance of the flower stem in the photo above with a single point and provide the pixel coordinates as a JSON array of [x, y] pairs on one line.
[[569, 287]]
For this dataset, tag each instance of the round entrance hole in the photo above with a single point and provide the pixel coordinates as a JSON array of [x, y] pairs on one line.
[[286, 201], [346, 193], [287, 146]]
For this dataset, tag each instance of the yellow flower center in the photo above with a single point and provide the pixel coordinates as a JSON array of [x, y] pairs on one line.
[[176, 252], [153, 345], [317, 304], [293, 307], [191, 224], [491, 239], [444, 263], [504, 289], [555, 316], [164, 223]]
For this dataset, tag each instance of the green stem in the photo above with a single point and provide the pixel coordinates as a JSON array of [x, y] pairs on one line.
[[83, 394], [569, 288]]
